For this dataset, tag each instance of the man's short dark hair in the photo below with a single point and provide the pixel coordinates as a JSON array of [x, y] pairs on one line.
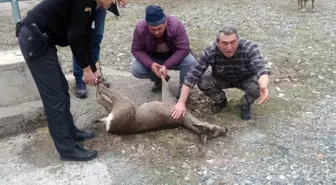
[[227, 31]]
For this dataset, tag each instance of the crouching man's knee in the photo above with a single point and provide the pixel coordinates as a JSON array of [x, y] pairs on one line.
[[253, 90], [206, 82], [135, 72], [139, 71], [189, 61]]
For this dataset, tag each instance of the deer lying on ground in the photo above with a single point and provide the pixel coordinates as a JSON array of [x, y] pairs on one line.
[[126, 118]]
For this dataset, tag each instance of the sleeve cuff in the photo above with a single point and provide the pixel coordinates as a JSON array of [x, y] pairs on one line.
[[190, 85], [264, 73], [93, 68]]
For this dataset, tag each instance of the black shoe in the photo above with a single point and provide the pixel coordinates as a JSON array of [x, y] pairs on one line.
[[82, 135], [158, 84], [245, 113], [78, 153], [218, 106], [81, 91]]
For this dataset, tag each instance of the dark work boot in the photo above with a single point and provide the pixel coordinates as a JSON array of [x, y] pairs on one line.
[[158, 84], [78, 153], [218, 106], [245, 113], [82, 135], [81, 91]]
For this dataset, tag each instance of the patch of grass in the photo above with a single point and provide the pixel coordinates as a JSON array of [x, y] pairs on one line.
[[296, 96], [254, 36], [200, 38]]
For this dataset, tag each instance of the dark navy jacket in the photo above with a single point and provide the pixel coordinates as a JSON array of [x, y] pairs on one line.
[[67, 23]]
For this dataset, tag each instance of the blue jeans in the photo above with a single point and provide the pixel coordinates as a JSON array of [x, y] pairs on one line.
[[97, 37], [142, 72]]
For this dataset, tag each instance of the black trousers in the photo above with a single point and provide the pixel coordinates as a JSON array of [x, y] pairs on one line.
[[42, 60]]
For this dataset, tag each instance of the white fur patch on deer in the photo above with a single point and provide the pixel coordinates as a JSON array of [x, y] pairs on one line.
[[108, 121]]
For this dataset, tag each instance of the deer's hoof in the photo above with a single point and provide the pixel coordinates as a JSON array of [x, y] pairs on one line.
[[204, 138]]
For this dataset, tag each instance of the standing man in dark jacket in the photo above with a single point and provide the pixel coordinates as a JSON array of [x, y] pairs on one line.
[[160, 43], [97, 34], [236, 63], [62, 23]]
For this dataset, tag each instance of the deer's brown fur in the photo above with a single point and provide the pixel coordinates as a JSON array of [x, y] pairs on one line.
[[126, 118]]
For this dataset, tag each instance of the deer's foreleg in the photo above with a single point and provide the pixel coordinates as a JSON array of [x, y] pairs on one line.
[[103, 101], [112, 95]]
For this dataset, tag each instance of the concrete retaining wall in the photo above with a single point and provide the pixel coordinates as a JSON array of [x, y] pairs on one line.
[[17, 84]]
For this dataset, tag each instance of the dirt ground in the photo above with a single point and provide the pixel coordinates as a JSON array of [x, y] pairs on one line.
[[291, 139]]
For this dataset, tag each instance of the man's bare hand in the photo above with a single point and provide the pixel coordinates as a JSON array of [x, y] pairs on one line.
[[163, 71], [155, 67], [98, 74], [179, 110], [263, 82], [89, 77]]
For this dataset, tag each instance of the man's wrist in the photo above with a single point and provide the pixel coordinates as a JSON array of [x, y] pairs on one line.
[[165, 66], [87, 68], [181, 102]]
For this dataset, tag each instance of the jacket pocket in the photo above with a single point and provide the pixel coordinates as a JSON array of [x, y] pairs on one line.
[[31, 44]]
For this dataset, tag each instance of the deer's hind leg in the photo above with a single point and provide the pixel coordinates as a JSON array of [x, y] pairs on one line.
[[202, 129]]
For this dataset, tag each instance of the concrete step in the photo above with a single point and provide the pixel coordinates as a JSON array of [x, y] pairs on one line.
[[21, 118]]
